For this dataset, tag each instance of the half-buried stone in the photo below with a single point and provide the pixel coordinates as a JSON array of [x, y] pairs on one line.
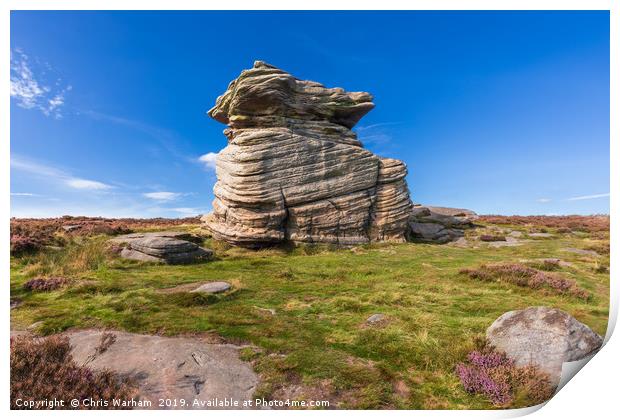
[[213, 287], [165, 249]]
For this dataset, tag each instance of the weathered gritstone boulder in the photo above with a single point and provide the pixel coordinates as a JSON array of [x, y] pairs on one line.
[[544, 337], [164, 249], [439, 224], [294, 170]]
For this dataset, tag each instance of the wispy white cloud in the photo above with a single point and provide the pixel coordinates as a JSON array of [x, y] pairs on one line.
[[86, 184], [163, 195], [24, 194], [588, 197], [544, 200], [57, 175], [190, 211], [30, 91], [378, 137], [209, 159], [372, 126]]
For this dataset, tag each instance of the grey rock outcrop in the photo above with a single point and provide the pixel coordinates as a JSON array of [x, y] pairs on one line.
[[165, 249], [439, 224], [294, 170], [544, 337]]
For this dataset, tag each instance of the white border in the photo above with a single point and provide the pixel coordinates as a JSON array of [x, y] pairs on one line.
[[591, 396]]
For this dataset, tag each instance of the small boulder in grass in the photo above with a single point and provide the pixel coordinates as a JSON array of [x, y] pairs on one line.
[[376, 319], [543, 337], [213, 287], [45, 284]]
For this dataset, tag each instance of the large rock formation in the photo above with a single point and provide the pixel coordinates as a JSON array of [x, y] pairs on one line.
[[294, 170]]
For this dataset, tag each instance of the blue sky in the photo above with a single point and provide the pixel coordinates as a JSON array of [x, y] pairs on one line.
[[499, 112]]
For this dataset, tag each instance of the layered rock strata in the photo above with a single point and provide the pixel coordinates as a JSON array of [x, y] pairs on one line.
[[164, 249], [294, 170], [439, 224]]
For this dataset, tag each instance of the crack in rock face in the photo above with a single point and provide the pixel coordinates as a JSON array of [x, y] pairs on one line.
[[293, 169]]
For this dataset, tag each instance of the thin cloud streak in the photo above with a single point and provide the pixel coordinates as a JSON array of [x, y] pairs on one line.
[[189, 211], [23, 194], [371, 126], [58, 175], [588, 197], [87, 184], [163, 195]]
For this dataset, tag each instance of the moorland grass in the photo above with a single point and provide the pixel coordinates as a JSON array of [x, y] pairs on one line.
[[321, 296]]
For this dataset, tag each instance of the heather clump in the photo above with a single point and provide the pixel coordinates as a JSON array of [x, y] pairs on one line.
[[43, 369], [49, 230], [23, 244], [524, 276], [45, 284], [591, 224], [496, 377]]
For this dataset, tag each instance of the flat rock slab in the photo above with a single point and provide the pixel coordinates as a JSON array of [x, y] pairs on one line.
[[121, 239], [164, 247], [213, 287], [171, 367], [130, 254], [161, 246], [510, 241], [581, 251]]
